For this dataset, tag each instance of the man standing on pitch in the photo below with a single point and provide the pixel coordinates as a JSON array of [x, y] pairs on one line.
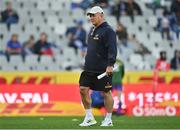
[[101, 56]]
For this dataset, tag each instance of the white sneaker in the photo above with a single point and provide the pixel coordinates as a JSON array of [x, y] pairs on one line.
[[107, 122], [88, 122]]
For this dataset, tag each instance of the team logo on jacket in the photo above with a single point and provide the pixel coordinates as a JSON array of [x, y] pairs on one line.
[[108, 85], [96, 37]]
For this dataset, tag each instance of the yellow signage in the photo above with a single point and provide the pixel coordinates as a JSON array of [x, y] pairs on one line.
[[73, 77]]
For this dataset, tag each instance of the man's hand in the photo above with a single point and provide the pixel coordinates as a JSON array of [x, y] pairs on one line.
[[109, 70]]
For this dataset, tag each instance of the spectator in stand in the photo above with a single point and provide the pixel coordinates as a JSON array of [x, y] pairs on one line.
[[175, 22], [119, 9], [101, 3], [42, 46], [122, 34], [28, 45], [129, 41], [175, 19], [175, 6], [175, 62], [164, 25], [9, 15], [77, 36], [155, 4], [132, 9], [161, 63], [13, 47], [129, 7], [83, 4]]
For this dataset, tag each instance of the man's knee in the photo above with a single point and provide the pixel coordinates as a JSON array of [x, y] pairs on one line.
[[84, 90], [107, 94]]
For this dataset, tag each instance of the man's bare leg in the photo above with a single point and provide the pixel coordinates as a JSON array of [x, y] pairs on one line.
[[86, 100], [108, 103], [84, 91]]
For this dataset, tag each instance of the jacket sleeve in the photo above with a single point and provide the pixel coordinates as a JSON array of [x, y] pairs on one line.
[[112, 46]]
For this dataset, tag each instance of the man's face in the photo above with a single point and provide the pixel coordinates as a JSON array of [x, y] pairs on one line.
[[79, 25], [9, 6], [43, 38], [96, 19], [178, 13], [163, 56], [14, 38], [119, 28], [130, 1], [178, 54]]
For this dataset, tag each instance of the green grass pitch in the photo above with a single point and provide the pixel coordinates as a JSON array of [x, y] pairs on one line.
[[120, 122]]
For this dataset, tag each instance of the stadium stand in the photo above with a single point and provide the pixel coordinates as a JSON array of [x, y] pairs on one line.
[[55, 16]]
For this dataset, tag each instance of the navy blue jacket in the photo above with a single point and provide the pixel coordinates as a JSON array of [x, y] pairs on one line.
[[102, 49]]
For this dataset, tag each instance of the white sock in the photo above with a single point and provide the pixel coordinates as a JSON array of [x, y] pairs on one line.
[[89, 113], [108, 115]]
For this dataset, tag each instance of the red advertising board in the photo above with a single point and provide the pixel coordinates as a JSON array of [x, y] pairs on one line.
[[147, 100], [39, 93], [36, 100], [64, 99]]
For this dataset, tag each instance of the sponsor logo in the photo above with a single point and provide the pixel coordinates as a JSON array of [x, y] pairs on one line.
[[154, 111], [108, 86], [96, 37], [24, 98], [147, 98]]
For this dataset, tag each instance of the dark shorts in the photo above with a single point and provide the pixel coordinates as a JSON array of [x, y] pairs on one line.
[[89, 79]]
